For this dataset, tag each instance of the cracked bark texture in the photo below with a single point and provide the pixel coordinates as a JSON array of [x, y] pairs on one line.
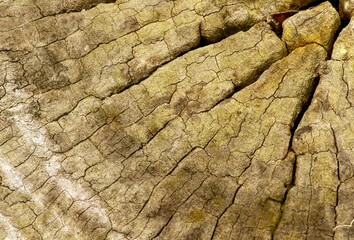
[[183, 119]]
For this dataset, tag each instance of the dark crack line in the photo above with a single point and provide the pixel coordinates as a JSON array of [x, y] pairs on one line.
[[293, 129], [297, 122], [222, 214], [183, 202], [75, 9], [160, 231], [153, 189], [61, 12], [347, 86], [339, 178], [199, 45], [73, 145], [282, 203], [304, 109], [150, 72], [153, 135], [309, 203]]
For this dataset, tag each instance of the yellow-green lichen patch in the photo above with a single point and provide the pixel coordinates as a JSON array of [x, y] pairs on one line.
[[195, 216], [217, 201]]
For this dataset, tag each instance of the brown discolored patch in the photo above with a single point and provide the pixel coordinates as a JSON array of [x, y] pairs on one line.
[[326, 105], [130, 23], [276, 20], [316, 107], [180, 104], [303, 130], [49, 77], [2, 91], [165, 211], [346, 168], [195, 233]]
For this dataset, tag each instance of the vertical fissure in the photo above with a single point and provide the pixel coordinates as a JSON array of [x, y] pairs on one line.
[[295, 126]]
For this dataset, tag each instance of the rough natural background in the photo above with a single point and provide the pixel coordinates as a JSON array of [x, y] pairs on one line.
[[176, 119]]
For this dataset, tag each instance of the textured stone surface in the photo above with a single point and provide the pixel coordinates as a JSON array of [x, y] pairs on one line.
[[316, 25], [324, 144], [346, 8], [175, 120]]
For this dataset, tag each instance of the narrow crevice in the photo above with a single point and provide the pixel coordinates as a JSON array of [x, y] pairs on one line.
[[304, 108], [339, 178], [84, 6], [143, 144], [335, 37], [201, 43], [178, 162], [335, 207], [94, 3], [238, 88], [299, 119], [226, 32], [344, 24], [335, 4], [225, 98], [163, 228], [149, 73], [297, 122]]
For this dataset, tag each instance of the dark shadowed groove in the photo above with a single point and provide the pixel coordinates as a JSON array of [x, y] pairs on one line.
[[79, 8], [300, 116], [94, 4], [335, 37], [304, 108], [236, 89], [201, 43], [339, 179], [335, 4], [153, 70], [297, 121], [315, 84]]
